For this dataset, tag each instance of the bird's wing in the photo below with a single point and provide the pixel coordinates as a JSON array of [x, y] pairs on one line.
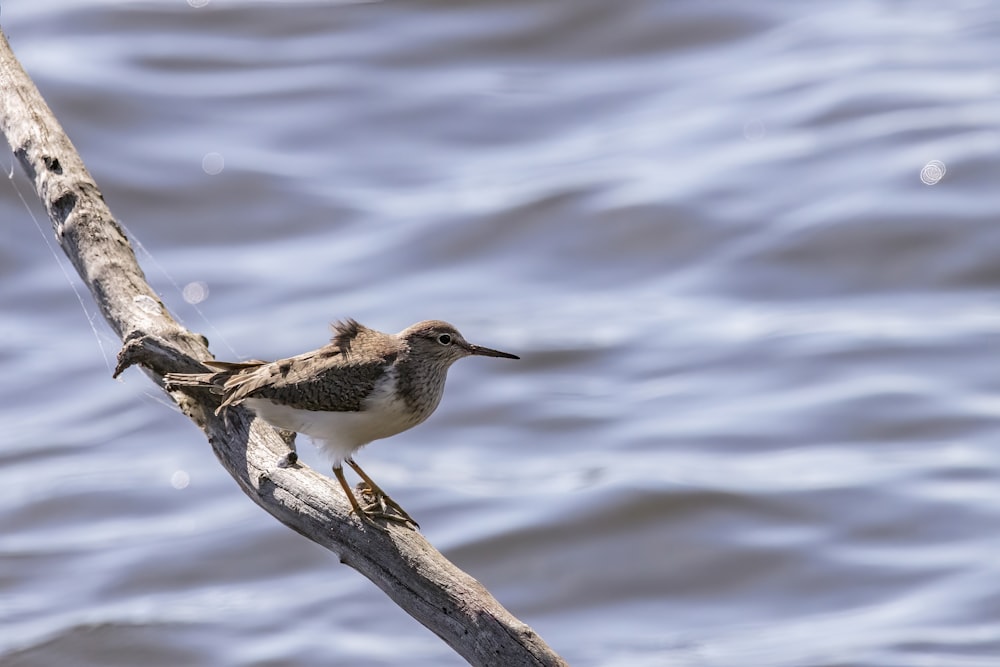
[[214, 380], [325, 380]]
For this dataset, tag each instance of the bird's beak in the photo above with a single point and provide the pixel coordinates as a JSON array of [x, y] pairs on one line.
[[487, 352]]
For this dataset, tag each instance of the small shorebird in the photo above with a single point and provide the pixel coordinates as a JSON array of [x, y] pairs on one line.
[[363, 386]]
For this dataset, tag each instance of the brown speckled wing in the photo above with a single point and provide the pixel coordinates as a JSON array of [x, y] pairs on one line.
[[324, 380]]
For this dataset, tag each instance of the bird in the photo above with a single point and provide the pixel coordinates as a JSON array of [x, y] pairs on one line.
[[364, 385]]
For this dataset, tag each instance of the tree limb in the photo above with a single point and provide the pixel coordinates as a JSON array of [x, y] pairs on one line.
[[396, 558]]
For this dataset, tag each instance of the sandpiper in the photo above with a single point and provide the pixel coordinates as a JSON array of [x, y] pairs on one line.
[[363, 386]]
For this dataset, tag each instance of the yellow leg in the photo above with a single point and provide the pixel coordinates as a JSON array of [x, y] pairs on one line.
[[380, 495], [338, 472]]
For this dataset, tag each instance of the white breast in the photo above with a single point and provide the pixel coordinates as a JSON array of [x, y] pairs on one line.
[[340, 434]]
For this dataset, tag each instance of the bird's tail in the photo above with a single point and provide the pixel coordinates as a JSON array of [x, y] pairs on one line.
[[215, 381], [219, 382], [210, 381]]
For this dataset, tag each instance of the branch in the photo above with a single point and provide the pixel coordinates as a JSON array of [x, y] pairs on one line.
[[396, 558]]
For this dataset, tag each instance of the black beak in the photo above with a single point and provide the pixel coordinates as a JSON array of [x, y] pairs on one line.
[[487, 352]]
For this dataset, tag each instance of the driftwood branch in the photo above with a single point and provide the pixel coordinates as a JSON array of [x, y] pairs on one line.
[[396, 558]]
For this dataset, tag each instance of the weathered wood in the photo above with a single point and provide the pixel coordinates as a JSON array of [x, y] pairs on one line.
[[396, 558]]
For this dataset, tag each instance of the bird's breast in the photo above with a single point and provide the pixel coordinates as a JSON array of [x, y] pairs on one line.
[[393, 401], [384, 413]]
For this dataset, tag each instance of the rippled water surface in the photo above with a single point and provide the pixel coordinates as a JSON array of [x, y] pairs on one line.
[[756, 419]]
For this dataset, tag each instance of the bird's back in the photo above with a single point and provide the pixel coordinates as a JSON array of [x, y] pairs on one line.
[[337, 377]]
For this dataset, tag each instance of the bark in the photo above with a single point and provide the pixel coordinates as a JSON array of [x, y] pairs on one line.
[[395, 557]]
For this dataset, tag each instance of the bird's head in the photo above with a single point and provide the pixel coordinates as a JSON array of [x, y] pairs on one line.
[[442, 342]]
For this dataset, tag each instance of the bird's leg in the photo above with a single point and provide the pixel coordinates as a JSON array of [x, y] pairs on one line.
[[292, 457], [368, 513], [381, 496], [338, 472]]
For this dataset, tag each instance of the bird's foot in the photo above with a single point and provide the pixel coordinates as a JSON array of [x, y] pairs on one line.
[[379, 505], [368, 514]]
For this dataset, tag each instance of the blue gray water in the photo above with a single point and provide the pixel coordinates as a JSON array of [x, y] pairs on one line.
[[757, 419]]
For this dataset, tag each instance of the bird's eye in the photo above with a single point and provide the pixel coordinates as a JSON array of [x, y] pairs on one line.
[[444, 339]]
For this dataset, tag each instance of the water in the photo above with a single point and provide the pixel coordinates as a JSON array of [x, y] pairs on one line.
[[755, 421]]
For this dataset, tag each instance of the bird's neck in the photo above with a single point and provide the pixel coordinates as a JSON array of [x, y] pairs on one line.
[[420, 386]]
